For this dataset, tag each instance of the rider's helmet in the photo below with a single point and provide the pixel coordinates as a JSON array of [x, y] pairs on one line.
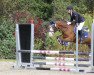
[[69, 8]]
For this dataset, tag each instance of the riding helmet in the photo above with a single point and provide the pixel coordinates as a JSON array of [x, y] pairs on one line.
[[69, 8]]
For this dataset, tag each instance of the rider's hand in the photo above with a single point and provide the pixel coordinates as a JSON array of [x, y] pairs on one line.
[[68, 23]]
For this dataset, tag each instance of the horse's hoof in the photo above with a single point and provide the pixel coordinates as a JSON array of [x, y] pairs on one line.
[[60, 41]]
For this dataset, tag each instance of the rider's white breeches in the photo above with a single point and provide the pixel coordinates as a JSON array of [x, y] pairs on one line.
[[80, 25]]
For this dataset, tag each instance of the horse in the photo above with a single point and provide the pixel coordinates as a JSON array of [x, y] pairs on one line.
[[68, 33]]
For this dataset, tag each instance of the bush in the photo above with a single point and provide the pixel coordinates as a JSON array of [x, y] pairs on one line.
[[7, 40], [88, 20]]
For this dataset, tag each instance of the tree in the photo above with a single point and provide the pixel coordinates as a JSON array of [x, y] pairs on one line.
[[90, 7]]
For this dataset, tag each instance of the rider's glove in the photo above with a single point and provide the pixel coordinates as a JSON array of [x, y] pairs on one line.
[[68, 23]]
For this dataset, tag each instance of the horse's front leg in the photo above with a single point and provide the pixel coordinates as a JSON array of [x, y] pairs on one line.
[[67, 39], [61, 41]]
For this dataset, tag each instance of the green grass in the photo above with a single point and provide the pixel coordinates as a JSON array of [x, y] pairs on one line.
[[7, 60]]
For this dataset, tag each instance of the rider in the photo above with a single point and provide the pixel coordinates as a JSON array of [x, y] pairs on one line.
[[74, 16]]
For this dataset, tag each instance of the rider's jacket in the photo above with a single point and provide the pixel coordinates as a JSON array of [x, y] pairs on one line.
[[76, 17]]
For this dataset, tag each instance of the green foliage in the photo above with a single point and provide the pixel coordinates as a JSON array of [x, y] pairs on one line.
[[7, 40], [59, 7], [90, 6], [52, 43], [38, 44], [39, 8], [45, 9], [88, 20]]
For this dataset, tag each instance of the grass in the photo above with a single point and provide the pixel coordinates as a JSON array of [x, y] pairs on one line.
[[7, 60]]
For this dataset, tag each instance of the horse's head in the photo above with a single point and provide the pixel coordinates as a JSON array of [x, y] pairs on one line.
[[54, 25], [60, 25]]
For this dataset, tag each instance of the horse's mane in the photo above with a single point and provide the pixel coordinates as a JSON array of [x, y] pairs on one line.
[[61, 22], [62, 25]]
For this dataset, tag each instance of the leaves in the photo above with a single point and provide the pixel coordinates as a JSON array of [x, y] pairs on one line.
[[7, 40]]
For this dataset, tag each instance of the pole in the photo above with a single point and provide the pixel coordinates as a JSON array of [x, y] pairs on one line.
[[18, 56], [77, 50], [32, 41], [92, 47]]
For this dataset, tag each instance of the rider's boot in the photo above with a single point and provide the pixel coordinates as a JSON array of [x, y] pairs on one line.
[[80, 35]]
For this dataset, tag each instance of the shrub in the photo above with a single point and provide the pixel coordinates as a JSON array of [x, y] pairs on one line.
[[7, 40]]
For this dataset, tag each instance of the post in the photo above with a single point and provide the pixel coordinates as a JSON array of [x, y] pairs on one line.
[[32, 41], [24, 42], [77, 49], [18, 56], [92, 47]]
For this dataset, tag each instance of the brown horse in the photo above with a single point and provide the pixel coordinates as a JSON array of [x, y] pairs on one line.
[[68, 34]]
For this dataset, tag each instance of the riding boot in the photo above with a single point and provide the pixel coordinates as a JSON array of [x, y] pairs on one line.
[[80, 35]]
